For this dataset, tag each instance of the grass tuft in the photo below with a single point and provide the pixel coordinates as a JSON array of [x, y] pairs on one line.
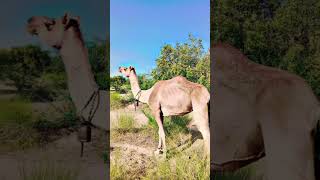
[[125, 122], [48, 171]]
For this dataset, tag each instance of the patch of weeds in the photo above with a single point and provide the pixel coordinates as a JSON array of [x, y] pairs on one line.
[[181, 167], [119, 101], [151, 120], [15, 111], [49, 127], [125, 122], [48, 171], [115, 100], [16, 130], [117, 170]]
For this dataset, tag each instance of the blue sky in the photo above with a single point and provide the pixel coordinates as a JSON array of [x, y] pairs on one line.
[[139, 28], [15, 13]]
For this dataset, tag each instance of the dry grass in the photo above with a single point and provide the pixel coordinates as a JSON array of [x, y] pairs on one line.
[[48, 171]]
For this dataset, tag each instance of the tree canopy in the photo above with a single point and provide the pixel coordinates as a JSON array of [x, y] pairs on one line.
[[281, 33], [187, 59]]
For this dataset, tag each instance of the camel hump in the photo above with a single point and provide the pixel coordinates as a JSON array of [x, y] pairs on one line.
[[227, 53], [179, 79]]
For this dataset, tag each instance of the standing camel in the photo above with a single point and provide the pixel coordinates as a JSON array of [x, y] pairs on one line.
[[261, 111], [173, 97], [64, 35]]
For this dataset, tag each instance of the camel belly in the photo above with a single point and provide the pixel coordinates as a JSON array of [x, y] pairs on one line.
[[167, 111]]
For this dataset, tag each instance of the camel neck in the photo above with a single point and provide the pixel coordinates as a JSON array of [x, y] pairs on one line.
[[134, 82], [141, 95], [81, 81]]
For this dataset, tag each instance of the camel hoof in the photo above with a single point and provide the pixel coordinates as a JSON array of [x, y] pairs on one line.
[[160, 154]]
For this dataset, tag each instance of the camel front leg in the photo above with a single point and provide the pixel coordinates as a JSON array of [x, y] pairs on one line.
[[202, 123], [289, 148], [162, 142]]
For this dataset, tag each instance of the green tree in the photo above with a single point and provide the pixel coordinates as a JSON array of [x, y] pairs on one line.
[[278, 33], [25, 64], [145, 81], [98, 57], [183, 60], [117, 82]]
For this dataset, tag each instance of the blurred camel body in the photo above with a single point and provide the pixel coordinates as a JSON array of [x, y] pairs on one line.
[[261, 111], [174, 97], [64, 35]]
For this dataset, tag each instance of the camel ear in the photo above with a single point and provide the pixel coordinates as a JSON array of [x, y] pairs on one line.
[[65, 18], [77, 18], [131, 68]]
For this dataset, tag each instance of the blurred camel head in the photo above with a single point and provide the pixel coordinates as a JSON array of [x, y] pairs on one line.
[[127, 71], [53, 31]]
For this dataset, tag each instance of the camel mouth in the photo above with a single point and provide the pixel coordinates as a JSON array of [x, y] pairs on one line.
[[31, 29], [33, 32]]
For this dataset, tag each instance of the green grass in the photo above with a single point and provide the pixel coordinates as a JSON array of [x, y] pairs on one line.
[[117, 101], [175, 127], [117, 170], [125, 121], [177, 165], [16, 130], [181, 166], [15, 112], [48, 171], [21, 129]]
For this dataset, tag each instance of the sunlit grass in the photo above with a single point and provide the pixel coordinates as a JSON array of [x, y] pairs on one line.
[[125, 121]]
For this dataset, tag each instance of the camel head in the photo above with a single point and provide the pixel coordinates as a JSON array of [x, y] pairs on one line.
[[52, 31], [127, 71]]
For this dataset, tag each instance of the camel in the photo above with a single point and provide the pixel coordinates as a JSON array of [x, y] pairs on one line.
[[173, 97], [258, 112], [64, 35]]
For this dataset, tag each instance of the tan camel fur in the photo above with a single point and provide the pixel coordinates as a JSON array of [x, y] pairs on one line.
[[174, 97], [261, 111], [64, 35]]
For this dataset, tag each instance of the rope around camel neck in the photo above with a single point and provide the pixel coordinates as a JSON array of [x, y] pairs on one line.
[[137, 100]]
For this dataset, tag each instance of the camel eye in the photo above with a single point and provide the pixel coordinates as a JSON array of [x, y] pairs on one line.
[[49, 25]]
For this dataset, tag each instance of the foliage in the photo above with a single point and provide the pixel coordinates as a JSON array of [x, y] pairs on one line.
[[187, 59], [282, 34], [24, 65], [118, 101], [40, 75], [146, 81], [98, 57], [117, 82]]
